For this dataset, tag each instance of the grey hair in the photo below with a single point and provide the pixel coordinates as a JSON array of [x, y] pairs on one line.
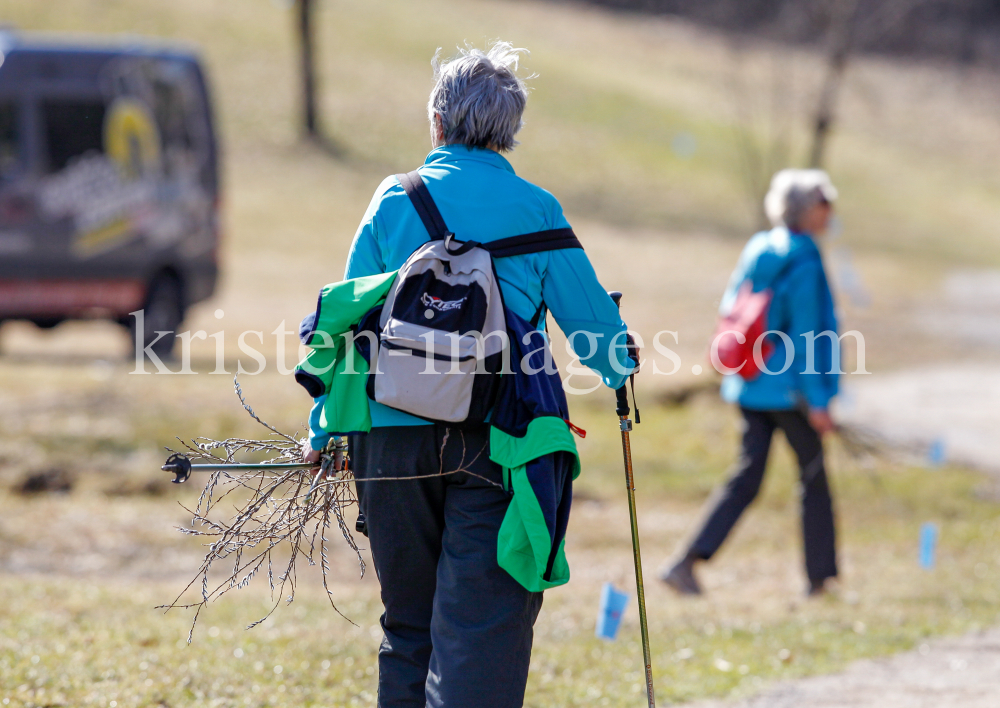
[[479, 96], [793, 192]]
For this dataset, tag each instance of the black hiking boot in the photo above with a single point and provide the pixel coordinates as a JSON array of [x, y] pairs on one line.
[[817, 588], [681, 577]]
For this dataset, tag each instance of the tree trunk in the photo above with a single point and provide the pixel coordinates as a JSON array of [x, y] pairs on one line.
[[305, 26], [842, 22]]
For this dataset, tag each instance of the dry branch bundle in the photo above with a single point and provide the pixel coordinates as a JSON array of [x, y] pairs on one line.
[[272, 515]]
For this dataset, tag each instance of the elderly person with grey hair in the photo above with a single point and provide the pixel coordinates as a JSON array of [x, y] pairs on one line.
[[457, 627], [793, 389]]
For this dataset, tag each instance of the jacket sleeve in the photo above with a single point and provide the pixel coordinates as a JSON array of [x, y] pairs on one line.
[[318, 438], [365, 257], [805, 302], [581, 305]]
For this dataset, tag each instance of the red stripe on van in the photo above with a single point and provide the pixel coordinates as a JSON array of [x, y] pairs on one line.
[[21, 298]]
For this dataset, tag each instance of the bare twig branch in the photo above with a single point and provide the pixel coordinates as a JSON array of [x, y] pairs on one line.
[[276, 518]]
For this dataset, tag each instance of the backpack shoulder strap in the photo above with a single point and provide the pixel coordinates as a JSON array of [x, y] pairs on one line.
[[420, 196], [536, 242]]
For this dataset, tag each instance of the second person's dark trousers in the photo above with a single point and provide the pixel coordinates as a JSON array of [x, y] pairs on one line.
[[457, 627], [729, 502]]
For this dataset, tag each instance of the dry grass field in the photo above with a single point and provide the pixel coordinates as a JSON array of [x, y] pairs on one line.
[[915, 156], [83, 570]]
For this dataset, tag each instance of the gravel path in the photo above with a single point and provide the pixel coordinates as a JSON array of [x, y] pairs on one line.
[[953, 406], [947, 673], [947, 410]]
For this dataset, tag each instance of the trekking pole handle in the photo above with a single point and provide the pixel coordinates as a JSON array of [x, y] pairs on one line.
[[621, 394]]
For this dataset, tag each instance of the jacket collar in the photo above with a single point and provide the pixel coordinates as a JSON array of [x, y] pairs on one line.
[[804, 241], [783, 237], [455, 153]]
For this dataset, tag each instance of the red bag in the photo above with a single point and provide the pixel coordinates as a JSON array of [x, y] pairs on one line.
[[746, 320]]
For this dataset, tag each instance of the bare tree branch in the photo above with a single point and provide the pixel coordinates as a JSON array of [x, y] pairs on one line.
[[275, 519]]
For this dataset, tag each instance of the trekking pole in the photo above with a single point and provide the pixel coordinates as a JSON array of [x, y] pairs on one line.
[[181, 467], [625, 424]]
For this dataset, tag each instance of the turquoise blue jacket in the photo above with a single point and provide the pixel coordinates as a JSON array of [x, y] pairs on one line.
[[482, 199], [791, 265]]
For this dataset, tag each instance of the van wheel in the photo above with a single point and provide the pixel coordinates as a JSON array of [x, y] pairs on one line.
[[47, 322], [163, 312]]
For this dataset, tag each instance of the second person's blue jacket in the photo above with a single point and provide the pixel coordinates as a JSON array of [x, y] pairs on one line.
[[791, 265]]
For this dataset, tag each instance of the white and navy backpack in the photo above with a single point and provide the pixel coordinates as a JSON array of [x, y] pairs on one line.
[[442, 330]]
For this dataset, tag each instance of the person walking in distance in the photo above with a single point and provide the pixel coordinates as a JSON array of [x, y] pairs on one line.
[[796, 383], [458, 627]]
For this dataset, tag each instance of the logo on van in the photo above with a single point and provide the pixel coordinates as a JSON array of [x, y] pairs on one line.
[[440, 305]]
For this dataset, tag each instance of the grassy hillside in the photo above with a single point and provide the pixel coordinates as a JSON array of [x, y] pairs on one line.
[[82, 571], [632, 121], [636, 124]]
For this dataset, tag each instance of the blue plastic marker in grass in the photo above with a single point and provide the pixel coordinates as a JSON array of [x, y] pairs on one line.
[[936, 453], [684, 145], [928, 545], [609, 617]]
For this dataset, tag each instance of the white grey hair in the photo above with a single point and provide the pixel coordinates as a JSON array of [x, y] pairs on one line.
[[793, 192], [479, 96]]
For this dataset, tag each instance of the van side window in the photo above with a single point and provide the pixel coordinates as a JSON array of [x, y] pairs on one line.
[[72, 128], [9, 139]]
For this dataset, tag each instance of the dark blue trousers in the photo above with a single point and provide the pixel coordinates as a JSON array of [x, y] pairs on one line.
[[730, 501], [457, 628]]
